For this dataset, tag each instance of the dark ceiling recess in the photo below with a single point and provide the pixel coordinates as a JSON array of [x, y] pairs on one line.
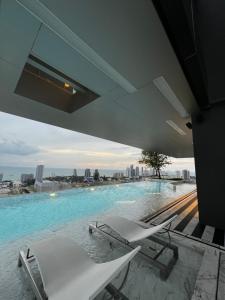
[[43, 83], [179, 20]]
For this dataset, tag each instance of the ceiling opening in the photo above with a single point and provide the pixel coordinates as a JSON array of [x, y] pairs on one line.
[[42, 83]]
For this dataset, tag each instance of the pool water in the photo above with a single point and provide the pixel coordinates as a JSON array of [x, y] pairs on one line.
[[28, 218], [25, 214]]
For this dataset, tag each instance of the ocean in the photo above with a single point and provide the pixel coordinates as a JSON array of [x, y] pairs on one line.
[[14, 173]]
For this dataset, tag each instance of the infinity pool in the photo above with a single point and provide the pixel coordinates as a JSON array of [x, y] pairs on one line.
[[25, 214], [28, 218]]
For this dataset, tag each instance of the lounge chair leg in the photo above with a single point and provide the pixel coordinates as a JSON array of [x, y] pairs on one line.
[[175, 252], [164, 274], [117, 295], [19, 263]]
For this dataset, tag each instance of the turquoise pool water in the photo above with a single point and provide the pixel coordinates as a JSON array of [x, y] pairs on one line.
[[25, 214]]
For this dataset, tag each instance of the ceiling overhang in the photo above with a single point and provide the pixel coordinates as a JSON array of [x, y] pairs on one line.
[[118, 51]]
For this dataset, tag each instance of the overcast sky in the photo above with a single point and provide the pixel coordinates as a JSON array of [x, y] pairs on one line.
[[27, 143]]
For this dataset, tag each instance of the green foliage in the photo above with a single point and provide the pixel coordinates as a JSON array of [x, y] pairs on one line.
[[154, 160]]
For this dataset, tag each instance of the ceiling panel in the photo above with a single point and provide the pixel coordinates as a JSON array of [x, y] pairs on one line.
[[55, 52], [18, 30], [129, 37]]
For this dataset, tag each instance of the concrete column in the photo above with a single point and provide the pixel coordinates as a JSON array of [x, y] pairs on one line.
[[209, 151]]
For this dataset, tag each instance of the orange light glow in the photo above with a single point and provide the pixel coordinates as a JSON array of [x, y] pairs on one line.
[[66, 85]]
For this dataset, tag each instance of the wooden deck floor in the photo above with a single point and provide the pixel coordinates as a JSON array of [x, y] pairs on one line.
[[187, 221], [210, 283]]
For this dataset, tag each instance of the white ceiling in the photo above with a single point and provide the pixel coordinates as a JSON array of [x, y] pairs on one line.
[[115, 48]]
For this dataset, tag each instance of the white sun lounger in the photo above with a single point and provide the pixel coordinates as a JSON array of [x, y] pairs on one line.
[[68, 273], [131, 231]]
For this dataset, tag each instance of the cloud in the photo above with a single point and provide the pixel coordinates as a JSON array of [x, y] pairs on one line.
[[17, 147], [91, 153], [58, 147]]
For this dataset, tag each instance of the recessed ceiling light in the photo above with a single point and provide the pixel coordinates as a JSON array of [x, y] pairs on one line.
[[169, 94], [54, 85], [43, 14], [66, 85], [175, 127]]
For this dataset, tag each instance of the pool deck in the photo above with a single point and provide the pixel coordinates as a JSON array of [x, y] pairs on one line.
[[210, 283], [199, 273]]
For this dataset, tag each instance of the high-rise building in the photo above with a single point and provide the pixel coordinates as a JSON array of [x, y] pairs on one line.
[[186, 174], [128, 172], [26, 178], [75, 172], [132, 171], [87, 173], [142, 171], [137, 171], [1, 176], [178, 174], [39, 173], [118, 175]]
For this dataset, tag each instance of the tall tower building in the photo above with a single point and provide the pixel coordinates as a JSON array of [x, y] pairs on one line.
[[137, 171], [178, 175], [132, 171], [186, 175], [39, 173], [87, 173], [1, 176], [128, 172], [75, 172]]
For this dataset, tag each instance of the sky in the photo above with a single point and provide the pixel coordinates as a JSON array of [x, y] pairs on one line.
[[26, 143]]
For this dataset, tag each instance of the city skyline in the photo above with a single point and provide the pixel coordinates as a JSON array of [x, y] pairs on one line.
[[29, 143]]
